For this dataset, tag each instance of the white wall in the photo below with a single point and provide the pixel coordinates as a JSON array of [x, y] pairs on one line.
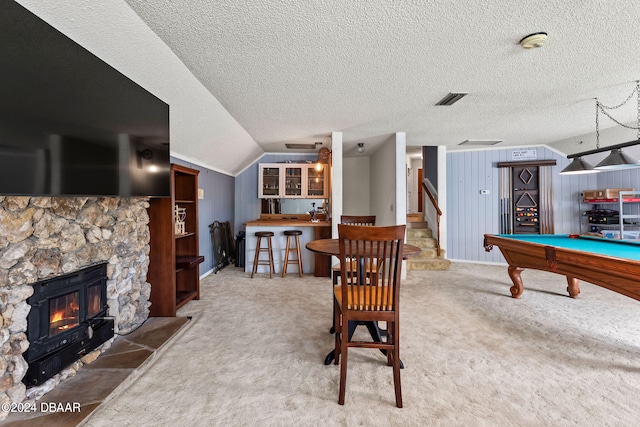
[[400, 168], [356, 186], [442, 195], [383, 186], [336, 183]]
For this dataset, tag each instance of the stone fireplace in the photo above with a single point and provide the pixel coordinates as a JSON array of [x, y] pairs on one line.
[[46, 237]]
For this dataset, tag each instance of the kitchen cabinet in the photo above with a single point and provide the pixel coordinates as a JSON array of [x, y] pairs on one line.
[[291, 180], [269, 181], [316, 182], [174, 272]]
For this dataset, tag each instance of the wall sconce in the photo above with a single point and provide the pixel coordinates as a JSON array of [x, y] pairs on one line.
[[324, 157], [360, 147]]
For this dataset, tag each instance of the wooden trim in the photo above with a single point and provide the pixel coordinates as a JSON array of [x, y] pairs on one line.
[[438, 211], [526, 163], [433, 200]]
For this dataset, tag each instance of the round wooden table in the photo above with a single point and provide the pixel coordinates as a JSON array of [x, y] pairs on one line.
[[332, 247]]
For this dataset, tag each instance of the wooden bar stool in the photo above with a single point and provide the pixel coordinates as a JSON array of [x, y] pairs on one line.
[[256, 260], [298, 259]]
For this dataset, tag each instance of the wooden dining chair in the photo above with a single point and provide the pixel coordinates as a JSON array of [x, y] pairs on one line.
[[369, 220], [369, 292]]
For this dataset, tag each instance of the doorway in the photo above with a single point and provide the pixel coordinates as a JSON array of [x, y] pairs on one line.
[[419, 187]]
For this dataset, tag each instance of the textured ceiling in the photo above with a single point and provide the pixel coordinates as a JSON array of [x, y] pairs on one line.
[[295, 71]]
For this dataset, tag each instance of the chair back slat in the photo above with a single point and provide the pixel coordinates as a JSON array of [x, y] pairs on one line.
[[358, 219], [372, 259]]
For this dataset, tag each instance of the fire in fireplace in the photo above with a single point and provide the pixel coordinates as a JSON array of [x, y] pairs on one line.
[[67, 320], [64, 313]]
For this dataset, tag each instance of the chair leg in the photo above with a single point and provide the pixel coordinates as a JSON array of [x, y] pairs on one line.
[[337, 330], [343, 364], [271, 265], [299, 256], [396, 362], [256, 257], [286, 257]]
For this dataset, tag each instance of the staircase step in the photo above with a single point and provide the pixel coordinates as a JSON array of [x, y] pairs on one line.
[[416, 233], [417, 264], [415, 217], [423, 242], [429, 253], [419, 234], [412, 225]]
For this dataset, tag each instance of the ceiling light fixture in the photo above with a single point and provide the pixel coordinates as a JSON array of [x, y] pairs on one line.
[[324, 157], [293, 146], [533, 40], [360, 147], [578, 166], [481, 142], [617, 159]]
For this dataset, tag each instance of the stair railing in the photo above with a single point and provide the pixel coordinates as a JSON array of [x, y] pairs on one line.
[[438, 212]]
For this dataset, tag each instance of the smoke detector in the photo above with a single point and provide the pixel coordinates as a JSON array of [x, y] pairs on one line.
[[533, 40]]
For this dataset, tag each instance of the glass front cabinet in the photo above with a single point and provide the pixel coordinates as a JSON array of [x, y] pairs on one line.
[[316, 182], [291, 180], [269, 181]]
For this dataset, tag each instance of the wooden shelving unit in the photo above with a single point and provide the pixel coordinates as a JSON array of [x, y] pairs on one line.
[[174, 272]]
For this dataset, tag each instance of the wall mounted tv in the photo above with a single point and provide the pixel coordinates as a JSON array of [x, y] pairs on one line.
[[70, 124]]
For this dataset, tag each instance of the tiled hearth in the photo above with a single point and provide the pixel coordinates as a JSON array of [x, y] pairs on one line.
[[124, 361]]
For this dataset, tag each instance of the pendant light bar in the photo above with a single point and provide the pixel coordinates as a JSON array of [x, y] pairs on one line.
[[603, 149]]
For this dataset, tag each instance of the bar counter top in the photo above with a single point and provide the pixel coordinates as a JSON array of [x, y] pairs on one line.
[[287, 223]]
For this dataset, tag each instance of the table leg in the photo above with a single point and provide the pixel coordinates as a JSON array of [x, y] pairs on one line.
[[518, 287], [574, 286]]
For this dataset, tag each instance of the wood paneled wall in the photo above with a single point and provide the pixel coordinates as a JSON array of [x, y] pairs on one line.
[[471, 214]]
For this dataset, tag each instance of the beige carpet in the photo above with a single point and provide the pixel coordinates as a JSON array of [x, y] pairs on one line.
[[474, 356]]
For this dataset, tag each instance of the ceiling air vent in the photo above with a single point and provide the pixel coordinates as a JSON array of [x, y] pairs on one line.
[[481, 142], [452, 98], [303, 146]]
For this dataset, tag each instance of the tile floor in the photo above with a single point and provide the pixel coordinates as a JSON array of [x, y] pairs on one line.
[[94, 382]]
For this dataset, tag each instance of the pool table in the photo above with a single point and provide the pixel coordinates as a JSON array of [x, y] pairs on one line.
[[612, 264]]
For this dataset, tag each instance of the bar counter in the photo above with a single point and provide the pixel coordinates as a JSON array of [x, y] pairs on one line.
[[319, 265]]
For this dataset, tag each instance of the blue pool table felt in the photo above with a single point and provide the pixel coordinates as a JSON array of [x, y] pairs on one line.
[[615, 248]]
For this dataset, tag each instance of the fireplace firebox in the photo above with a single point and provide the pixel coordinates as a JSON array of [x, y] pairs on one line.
[[68, 319]]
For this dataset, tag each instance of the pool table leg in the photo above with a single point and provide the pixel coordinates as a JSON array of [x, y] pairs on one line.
[[517, 288], [574, 286]]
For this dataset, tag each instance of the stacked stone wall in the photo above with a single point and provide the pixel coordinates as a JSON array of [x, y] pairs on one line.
[[43, 237]]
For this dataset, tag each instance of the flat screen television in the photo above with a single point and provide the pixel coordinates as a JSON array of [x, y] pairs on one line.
[[70, 124]]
